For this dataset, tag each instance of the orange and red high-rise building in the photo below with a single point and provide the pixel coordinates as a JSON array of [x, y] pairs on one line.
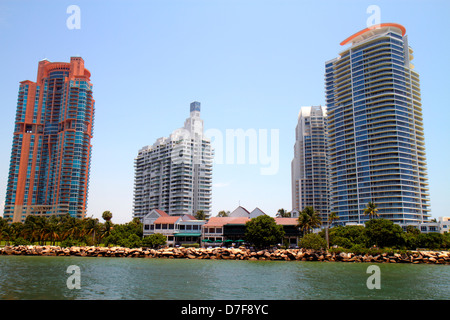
[[51, 149]]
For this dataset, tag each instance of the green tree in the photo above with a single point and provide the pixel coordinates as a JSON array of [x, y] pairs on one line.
[[384, 233], [30, 228], [263, 231], [126, 235], [71, 228], [52, 229], [331, 217], [200, 215], [308, 220], [223, 213], [107, 215], [282, 213], [371, 210], [8, 234], [432, 240], [91, 229], [154, 240], [3, 225], [347, 236]]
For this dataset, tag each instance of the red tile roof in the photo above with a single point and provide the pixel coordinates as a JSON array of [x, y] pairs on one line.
[[286, 221], [168, 219], [162, 213], [221, 221]]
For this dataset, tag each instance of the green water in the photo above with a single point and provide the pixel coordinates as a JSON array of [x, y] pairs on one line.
[[35, 277]]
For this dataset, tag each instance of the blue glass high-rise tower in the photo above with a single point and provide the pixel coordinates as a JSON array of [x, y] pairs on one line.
[[376, 144]]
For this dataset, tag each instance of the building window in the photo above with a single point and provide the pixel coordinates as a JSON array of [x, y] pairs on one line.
[[146, 227]]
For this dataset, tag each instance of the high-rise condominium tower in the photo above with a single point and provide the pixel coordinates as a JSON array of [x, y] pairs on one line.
[[51, 150], [175, 173], [309, 166], [376, 139]]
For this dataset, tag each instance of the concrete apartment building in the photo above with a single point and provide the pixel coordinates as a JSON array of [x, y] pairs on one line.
[[175, 173]]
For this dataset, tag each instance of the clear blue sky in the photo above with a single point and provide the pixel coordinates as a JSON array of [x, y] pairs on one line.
[[252, 64]]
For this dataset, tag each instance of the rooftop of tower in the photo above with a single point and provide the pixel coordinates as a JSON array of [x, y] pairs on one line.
[[373, 30]]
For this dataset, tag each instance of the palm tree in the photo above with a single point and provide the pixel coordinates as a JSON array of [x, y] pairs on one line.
[[282, 213], [331, 217], [91, 227], [8, 233], [3, 225], [223, 213], [107, 215], [200, 215], [30, 228], [70, 227], [308, 220], [52, 229], [371, 210]]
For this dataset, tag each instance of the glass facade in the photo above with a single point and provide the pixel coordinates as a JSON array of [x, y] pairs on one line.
[[51, 151], [375, 126]]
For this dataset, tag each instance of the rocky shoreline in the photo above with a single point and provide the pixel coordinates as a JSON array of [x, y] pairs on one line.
[[241, 253]]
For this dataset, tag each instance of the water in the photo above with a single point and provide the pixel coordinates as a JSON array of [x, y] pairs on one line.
[[38, 277]]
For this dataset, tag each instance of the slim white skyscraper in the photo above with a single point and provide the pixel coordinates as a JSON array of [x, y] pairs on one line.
[[175, 173], [309, 166]]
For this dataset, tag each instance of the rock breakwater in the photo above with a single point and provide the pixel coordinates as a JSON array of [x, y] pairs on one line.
[[241, 253]]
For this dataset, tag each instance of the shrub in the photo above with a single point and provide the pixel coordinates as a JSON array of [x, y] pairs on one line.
[[341, 242], [154, 240], [431, 240], [358, 249], [313, 241], [191, 245], [21, 242], [69, 242]]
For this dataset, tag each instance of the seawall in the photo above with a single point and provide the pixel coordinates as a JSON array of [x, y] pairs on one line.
[[241, 253]]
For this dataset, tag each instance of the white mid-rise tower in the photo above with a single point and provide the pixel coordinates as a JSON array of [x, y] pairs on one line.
[[175, 173], [309, 166]]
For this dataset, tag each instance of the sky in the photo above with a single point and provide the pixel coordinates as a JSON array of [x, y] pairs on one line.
[[252, 65]]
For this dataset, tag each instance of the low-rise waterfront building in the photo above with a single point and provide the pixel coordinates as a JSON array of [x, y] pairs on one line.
[[216, 231], [441, 225], [178, 230]]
